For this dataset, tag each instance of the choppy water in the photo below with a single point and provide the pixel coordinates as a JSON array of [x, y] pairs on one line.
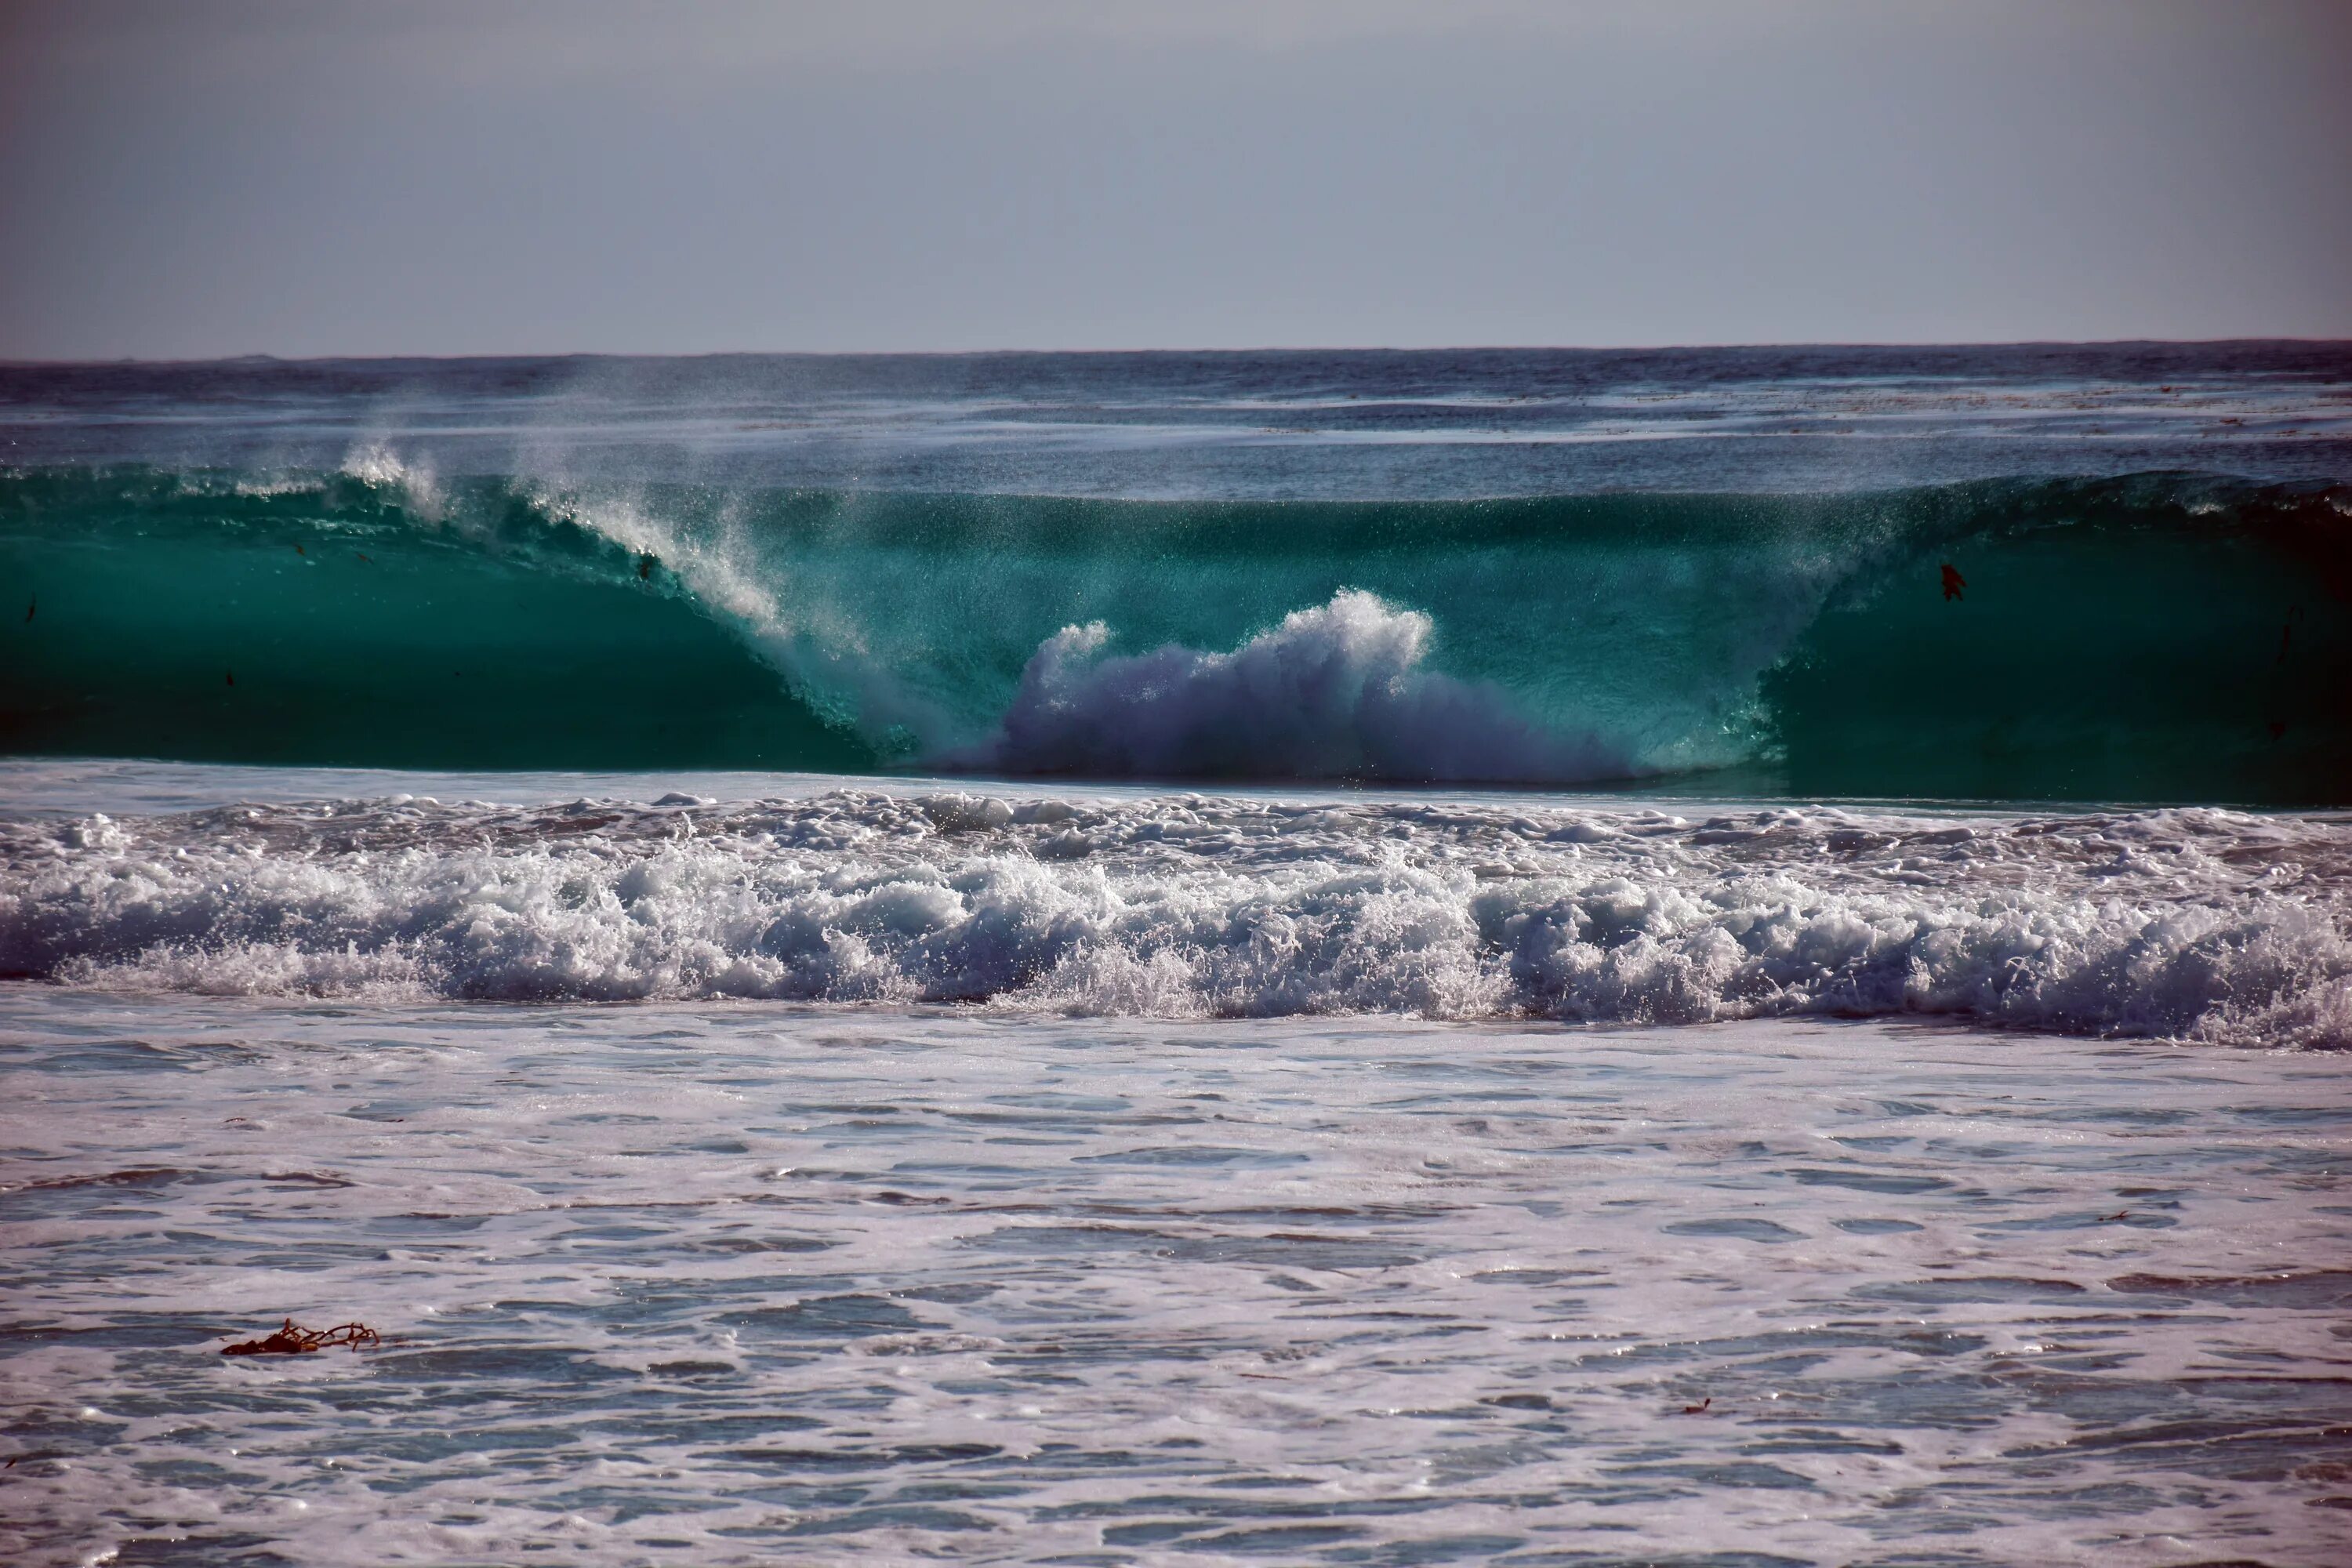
[[742, 1284]]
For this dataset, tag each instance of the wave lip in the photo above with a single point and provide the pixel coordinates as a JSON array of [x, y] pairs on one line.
[[1335, 692]]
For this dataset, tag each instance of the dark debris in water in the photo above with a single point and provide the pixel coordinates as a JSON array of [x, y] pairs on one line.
[[292, 1339]]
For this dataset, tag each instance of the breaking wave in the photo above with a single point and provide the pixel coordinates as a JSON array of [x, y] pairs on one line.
[[2164, 639], [1333, 693]]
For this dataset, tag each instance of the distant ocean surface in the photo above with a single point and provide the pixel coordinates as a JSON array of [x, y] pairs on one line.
[[1727, 957]]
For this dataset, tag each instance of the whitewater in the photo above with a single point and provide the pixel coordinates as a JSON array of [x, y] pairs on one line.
[[2194, 923], [1376, 958]]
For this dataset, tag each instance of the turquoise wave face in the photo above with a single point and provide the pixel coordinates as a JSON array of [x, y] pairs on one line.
[[329, 620], [2161, 638]]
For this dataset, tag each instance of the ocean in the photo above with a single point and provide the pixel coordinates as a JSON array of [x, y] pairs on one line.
[[1731, 957]]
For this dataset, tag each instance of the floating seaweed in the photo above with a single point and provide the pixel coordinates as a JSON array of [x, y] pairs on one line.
[[292, 1339]]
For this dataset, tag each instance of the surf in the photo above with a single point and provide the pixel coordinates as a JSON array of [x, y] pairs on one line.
[[2169, 636], [2192, 923]]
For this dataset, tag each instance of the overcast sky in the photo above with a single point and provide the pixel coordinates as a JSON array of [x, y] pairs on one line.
[[210, 177]]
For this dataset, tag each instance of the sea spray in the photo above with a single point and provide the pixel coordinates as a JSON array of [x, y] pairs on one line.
[[1339, 691]]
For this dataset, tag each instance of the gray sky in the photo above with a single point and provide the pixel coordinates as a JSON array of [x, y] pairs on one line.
[[223, 176]]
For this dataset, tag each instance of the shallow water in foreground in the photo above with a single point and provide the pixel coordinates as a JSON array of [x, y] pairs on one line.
[[741, 1283]]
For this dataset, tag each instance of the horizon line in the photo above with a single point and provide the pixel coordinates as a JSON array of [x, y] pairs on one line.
[[344, 358]]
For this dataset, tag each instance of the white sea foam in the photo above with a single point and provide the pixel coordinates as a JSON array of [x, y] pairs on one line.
[[2193, 923], [1337, 691]]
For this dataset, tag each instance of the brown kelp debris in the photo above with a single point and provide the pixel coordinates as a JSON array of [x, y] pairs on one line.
[[293, 1339]]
